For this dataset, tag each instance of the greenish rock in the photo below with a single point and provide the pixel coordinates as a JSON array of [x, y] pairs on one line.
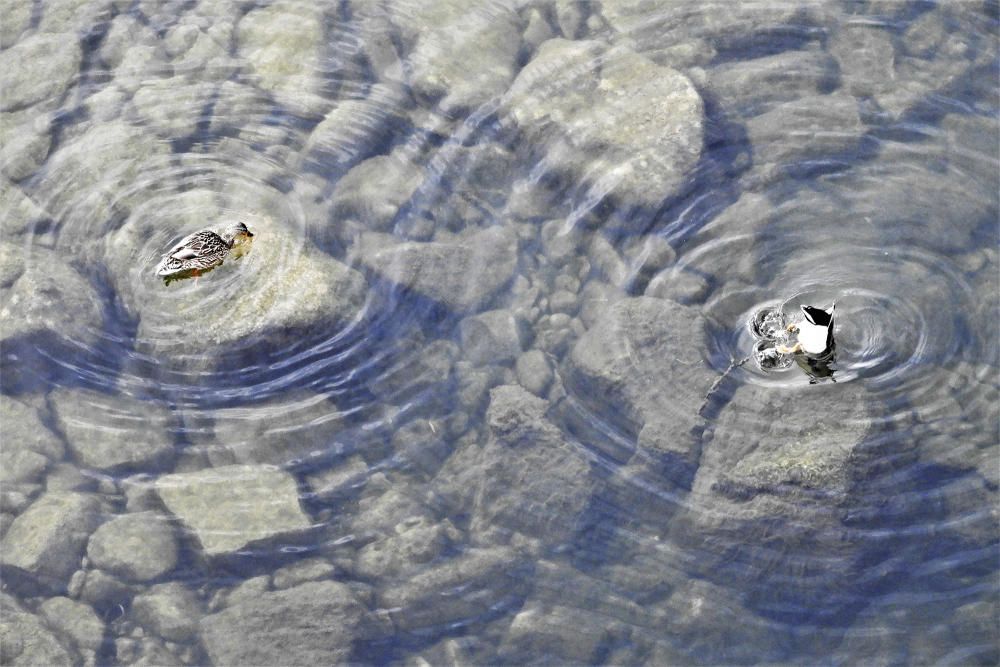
[[114, 433], [20, 466], [617, 369], [413, 542], [789, 478], [135, 547], [100, 589], [66, 17], [170, 611], [817, 129], [462, 274], [23, 431], [26, 641], [310, 624], [232, 507], [92, 178], [283, 44], [751, 87], [43, 546], [173, 107], [76, 620], [25, 139], [560, 634], [623, 125], [55, 61]]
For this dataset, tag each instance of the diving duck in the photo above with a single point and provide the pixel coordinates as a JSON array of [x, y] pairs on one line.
[[202, 251], [815, 333]]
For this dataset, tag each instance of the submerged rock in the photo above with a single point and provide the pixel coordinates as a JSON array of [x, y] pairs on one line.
[[773, 483], [76, 620], [641, 368], [283, 43], [54, 60], [114, 433], [25, 639], [28, 445], [312, 624], [170, 611], [531, 480], [43, 545], [233, 507], [462, 274], [136, 547], [456, 589], [616, 121]]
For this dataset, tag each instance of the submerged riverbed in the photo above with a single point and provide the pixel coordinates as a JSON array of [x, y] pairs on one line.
[[478, 392]]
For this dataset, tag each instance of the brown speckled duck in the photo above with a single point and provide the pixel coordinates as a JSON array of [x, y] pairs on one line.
[[201, 252]]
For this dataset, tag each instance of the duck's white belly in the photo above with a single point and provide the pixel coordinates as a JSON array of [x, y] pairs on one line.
[[812, 338]]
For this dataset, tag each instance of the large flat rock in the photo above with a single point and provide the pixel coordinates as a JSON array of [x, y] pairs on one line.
[[462, 274], [232, 507], [622, 124]]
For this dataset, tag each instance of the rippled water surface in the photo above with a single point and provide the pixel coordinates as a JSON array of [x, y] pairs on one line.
[[480, 392]]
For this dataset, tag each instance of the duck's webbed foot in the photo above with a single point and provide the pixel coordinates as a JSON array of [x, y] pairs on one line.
[[795, 349]]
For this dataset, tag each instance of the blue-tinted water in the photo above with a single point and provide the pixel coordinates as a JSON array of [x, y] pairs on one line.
[[480, 392]]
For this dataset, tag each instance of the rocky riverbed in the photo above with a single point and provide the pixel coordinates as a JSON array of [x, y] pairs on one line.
[[478, 393]]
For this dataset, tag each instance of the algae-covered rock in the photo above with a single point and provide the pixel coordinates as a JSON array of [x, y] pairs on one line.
[[773, 482], [232, 507], [622, 124]]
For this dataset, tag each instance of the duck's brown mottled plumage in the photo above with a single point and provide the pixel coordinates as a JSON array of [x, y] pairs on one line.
[[201, 251]]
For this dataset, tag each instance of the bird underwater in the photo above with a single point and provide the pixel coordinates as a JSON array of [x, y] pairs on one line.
[[203, 251]]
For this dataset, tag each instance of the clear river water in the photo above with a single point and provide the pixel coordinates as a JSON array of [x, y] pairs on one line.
[[486, 388]]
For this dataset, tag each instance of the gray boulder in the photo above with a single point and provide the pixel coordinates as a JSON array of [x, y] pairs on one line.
[[170, 611], [312, 624], [283, 44], [21, 214], [43, 545], [531, 479], [462, 274], [114, 433], [374, 191], [468, 56], [414, 541], [41, 295], [25, 639], [56, 60], [28, 445], [640, 368], [136, 547], [455, 589], [232, 507], [493, 337], [625, 126], [76, 620], [774, 479]]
